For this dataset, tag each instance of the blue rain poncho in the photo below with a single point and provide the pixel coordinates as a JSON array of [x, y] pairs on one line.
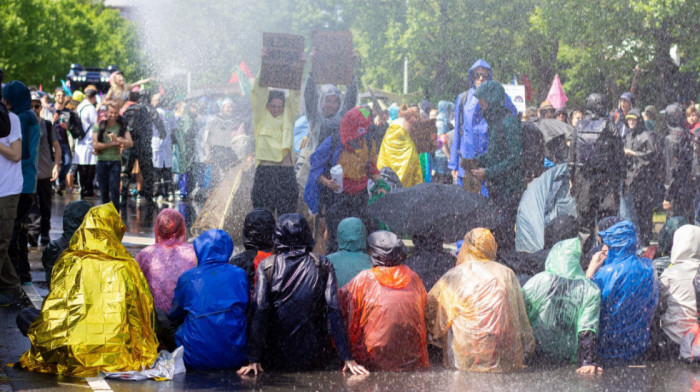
[[561, 302], [212, 299], [629, 296]]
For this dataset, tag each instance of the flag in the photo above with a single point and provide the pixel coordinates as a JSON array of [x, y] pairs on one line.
[[556, 94], [528, 88], [515, 81], [246, 71], [41, 88]]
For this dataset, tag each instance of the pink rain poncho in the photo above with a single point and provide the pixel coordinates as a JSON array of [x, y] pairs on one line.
[[164, 262]]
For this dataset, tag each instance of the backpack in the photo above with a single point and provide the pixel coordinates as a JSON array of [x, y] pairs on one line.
[[591, 144], [75, 127]]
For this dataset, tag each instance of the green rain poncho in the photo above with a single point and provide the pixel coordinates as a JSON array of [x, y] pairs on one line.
[[561, 302], [351, 257]]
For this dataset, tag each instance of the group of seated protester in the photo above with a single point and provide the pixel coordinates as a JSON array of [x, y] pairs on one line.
[[278, 306]]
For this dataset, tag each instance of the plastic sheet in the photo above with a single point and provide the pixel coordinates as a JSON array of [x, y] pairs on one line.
[[384, 310], [164, 368], [98, 315], [561, 302], [400, 154], [476, 312], [629, 296]]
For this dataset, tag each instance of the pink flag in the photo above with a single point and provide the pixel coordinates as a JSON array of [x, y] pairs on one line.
[[556, 94]]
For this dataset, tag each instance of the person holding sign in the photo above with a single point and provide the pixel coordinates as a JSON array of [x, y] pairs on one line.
[[274, 186]]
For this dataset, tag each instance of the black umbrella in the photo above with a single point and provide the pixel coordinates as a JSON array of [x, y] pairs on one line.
[[552, 129], [446, 211]]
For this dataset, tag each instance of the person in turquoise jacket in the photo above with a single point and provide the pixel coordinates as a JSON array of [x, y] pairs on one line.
[[351, 257], [210, 302]]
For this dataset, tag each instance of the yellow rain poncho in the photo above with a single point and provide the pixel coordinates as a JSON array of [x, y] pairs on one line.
[[99, 313], [400, 154], [476, 313]]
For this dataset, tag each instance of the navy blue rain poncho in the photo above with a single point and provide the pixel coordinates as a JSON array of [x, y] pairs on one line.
[[629, 296], [471, 136], [212, 299]]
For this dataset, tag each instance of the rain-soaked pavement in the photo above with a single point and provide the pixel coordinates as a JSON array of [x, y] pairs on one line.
[[647, 376]]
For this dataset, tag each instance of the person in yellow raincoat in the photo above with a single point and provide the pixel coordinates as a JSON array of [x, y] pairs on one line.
[[476, 312], [98, 315], [399, 152]]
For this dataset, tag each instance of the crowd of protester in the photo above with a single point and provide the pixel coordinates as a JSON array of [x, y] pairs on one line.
[[590, 297]]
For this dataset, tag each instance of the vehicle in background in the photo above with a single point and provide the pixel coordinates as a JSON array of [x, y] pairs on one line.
[[79, 77]]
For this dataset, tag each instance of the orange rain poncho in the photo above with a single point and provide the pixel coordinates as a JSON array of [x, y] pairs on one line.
[[98, 315], [384, 310], [476, 312]]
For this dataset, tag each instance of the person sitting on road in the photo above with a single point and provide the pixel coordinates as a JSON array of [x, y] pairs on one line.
[[163, 262], [351, 257], [629, 295], [210, 303], [563, 308], [384, 309], [429, 260], [98, 316], [676, 289], [258, 228], [476, 312], [295, 299]]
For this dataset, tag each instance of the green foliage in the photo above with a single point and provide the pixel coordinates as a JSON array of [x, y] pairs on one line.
[[40, 39]]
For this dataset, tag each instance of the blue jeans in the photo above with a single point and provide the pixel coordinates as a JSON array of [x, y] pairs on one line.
[[108, 173], [66, 161]]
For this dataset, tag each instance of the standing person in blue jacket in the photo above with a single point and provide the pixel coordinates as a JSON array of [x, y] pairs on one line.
[[210, 301], [471, 131], [18, 99], [629, 292]]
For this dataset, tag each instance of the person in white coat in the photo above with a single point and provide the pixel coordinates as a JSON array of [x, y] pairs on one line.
[[84, 159]]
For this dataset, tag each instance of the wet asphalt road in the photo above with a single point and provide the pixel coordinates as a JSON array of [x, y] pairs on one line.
[[649, 376]]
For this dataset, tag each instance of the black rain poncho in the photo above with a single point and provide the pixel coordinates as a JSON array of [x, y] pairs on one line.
[[295, 297]]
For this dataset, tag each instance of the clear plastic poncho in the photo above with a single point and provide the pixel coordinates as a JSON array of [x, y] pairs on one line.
[[561, 302], [476, 312]]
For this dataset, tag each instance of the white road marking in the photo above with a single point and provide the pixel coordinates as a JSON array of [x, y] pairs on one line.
[[33, 295], [98, 384]]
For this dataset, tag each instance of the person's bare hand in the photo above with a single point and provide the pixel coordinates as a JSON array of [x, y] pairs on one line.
[[667, 205], [254, 368], [630, 153], [597, 261], [479, 174], [354, 368], [589, 370], [330, 184], [455, 174], [63, 124]]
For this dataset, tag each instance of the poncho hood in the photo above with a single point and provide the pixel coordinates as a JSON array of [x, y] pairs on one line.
[[621, 240], [493, 93], [170, 227], [478, 63], [326, 91], [563, 260], [354, 124], [686, 245], [479, 245], [258, 229], [73, 216], [292, 232], [386, 249], [352, 235], [213, 246], [18, 95], [101, 231]]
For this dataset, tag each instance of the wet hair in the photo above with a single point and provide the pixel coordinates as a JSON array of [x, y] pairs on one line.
[[405, 110], [691, 109], [275, 94], [134, 96]]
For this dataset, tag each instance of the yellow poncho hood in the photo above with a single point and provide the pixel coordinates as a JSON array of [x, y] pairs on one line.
[[99, 313]]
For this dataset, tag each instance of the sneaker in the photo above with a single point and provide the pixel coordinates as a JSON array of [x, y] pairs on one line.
[[171, 197], [159, 199], [18, 301]]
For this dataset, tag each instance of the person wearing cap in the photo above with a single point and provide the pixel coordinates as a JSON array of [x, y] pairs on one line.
[[294, 303], [546, 110], [356, 153], [642, 160], [84, 160], [48, 165], [384, 309], [618, 117]]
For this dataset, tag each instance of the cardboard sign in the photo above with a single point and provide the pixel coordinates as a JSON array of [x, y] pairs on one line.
[[282, 67], [516, 92], [425, 136], [333, 62]]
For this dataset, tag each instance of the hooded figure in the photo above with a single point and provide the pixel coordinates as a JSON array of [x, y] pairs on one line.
[[295, 298], [676, 288], [476, 313], [429, 260], [471, 131], [98, 316], [210, 301], [258, 228], [351, 257], [163, 262], [678, 164], [629, 296], [72, 218], [398, 150], [563, 306], [20, 99], [385, 310]]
